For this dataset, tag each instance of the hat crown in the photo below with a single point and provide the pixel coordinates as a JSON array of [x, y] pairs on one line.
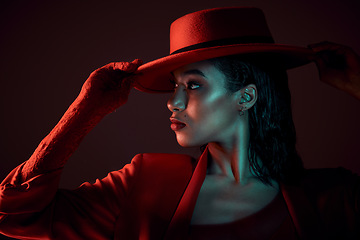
[[218, 27], [216, 33]]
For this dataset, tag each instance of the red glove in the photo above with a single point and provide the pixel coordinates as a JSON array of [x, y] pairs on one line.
[[108, 87]]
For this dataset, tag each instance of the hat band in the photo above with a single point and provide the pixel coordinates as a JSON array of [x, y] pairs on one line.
[[226, 41]]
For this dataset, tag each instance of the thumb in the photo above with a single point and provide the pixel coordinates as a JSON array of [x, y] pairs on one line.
[[128, 67], [137, 62]]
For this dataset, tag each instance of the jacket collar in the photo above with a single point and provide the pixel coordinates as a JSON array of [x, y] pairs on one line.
[[303, 215], [180, 222]]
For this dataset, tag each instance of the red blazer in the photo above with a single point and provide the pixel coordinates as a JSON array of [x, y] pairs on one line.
[[153, 197]]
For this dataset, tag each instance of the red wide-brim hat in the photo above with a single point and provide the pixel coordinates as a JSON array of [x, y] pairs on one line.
[[215, 33]]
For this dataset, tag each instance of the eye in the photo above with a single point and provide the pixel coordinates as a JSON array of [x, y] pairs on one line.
[[193, 85]]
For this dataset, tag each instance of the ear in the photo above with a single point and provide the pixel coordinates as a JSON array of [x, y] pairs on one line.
[[246, 97]]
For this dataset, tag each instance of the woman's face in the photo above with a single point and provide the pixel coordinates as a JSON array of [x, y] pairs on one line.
[[202, 109]]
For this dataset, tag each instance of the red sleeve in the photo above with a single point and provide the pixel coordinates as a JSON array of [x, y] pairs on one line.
[[36, 209]]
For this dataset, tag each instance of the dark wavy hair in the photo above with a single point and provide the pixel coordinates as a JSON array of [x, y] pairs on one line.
[[272, 131]]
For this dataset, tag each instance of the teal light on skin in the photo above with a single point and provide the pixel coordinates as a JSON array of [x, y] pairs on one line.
[[212, 115], [216, 117]]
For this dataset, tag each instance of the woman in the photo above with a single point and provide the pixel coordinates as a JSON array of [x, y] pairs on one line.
[[230, 94]]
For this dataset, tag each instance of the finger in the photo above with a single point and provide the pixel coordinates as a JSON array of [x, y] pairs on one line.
[[128, 67], [133, 66], [137, 62]]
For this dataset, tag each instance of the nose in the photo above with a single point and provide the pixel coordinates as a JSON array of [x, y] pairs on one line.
[[178, 101]]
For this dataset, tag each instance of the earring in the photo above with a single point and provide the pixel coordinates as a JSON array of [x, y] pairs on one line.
[[242, 109], [245, 98]]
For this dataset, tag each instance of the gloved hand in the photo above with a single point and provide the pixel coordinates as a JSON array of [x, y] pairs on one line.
[[339, 66], [108, 87]]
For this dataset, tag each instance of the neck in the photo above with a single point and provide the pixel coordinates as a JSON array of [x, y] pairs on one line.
[[232, 158]]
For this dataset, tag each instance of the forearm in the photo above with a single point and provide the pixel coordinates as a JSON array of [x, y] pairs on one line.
[[106, 89], [56, 148]]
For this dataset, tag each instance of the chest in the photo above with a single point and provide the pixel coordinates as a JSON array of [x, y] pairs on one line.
[[224, 201]]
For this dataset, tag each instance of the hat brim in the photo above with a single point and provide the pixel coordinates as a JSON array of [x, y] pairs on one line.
[[156, 75]]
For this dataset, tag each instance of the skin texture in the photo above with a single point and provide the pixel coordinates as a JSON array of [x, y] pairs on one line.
[[216, 117], [203, 104], [213, 115]]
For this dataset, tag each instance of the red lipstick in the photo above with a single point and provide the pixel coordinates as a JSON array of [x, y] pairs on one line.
[[176, 125]]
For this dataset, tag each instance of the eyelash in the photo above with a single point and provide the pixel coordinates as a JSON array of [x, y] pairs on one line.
[[190, 85]]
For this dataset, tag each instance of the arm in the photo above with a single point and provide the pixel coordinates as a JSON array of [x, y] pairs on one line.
[[104, 91], [339, 66], [30, 204], [33, 184]]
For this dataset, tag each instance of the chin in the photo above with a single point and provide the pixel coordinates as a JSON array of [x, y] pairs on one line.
[[186, 143]]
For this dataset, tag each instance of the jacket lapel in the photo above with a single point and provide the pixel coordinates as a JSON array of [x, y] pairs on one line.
[[303, 215], [306, 221], [180, 222]]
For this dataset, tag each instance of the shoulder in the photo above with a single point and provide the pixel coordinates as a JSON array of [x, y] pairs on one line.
[[325, 198], [163, 159], [144, 170], [331, 185], [163, 163], [162, 170], [327, 185], [329, 177], [159, 181]]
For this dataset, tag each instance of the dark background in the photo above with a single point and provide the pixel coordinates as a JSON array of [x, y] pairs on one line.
[[48, 49]]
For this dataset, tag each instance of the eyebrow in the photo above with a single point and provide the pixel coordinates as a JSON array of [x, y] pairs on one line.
[[194, 71]]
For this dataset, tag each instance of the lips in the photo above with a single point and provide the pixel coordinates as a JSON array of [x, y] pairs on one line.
[[176, 125]]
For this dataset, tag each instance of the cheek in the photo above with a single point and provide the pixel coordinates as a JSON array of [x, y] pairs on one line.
[[210, 109], [198, 109]]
